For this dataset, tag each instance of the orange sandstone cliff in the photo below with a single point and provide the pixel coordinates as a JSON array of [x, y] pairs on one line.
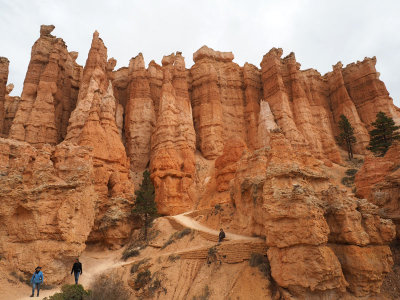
[[258, 141]]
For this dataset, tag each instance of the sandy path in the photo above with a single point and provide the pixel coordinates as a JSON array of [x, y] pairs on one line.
[[189, 222], [96, 262]]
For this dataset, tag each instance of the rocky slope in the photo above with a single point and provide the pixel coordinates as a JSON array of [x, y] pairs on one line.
[[260, 141]]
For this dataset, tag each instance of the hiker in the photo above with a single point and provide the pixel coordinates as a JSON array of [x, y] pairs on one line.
[[221, 235], [77, 270], [36, 280]]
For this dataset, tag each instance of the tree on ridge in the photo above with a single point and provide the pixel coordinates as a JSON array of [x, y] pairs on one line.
[[383, 135], [145, 206], [346, 136]]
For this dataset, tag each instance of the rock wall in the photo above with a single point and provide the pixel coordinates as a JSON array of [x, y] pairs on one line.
[[11, 104], [368, 92], [49, 94], [93, 124], [217, 100], [4, 63], [259, 138], [302, 117], [140, 115], [379, 181], [172, 161], [47, 199], [318, 236]]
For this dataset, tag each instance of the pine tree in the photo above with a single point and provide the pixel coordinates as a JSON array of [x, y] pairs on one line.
[[145, 206], [383, 135], [346, 136]]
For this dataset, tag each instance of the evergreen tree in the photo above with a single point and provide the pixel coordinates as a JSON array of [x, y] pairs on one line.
[[346, 136], [383, 135], [145, 206]]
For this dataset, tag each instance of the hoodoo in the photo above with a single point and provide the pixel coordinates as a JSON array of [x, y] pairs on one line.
[[252, 150]]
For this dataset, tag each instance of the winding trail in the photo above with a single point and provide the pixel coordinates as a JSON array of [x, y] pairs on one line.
[[98, 262], [187, 221]]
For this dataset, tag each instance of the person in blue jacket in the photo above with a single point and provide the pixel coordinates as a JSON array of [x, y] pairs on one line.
[[36, 280]]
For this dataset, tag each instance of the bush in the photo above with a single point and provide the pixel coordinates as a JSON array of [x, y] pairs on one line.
[[351, 172], [176, 236], [108, 287], [136, 266], [261, 262], [173, 257], [71, 292], [348, 181], [142, 279], [129, 252]]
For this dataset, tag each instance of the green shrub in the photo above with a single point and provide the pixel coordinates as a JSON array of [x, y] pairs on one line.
[[348, 181], [108, 287], [176, 236], [135, 267], [212, 251], [182, 233], [351, 172], [70, 292], [129, 252], [142, 279], [173, 257]]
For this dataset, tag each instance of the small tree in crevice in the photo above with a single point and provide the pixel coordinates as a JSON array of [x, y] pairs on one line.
[[346, 136], [145, 206], [383, 135]]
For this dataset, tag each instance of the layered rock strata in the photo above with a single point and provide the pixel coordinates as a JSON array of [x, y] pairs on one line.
[[312, 229], [140, 115], [93, 124], [172, 162], [303, 119], [49, 94], [217, 100], [11, 104], [4, 63], [379, 181], [47, 198]]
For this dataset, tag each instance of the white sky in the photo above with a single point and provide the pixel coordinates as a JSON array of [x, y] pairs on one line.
[[320, 32]]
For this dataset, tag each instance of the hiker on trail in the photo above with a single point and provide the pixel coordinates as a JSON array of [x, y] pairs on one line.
[[77, 270], [221, 235], [36, 280]]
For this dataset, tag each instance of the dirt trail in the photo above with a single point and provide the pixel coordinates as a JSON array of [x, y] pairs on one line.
[[96, 262], [189, 222]]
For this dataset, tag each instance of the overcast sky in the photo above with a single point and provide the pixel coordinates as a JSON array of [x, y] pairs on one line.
[[320, 32]]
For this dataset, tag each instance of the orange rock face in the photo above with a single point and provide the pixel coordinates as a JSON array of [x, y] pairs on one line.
[[261, 139], [11, 104], [217, 100], [225, 165], [303, 118], [173, 141], [286, 197], [48, 201], [49, 94], [140, 115], [93, 124], [4, 63], [379, 181]]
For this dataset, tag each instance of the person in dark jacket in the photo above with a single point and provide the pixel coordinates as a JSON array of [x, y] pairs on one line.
[[221, 235], [36, 281], [77, 270]]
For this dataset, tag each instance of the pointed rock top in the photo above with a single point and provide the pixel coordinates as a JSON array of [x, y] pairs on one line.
[[4, 60], [45, 30], [137, 62]]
